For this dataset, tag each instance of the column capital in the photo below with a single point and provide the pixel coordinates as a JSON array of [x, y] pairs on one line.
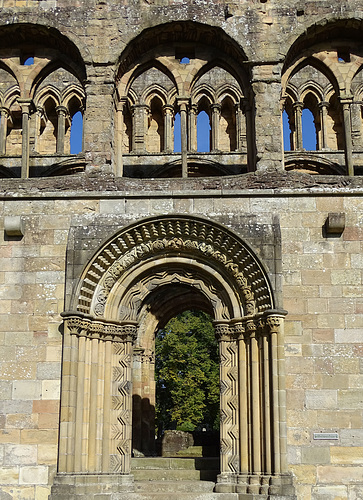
[[62, 109], [323, 104], [168, 108], [298, 105], [84, 325], [222, 330], [216, 106], [140, 106], [26, 105], [121, 103], [183, 103], [245, 104], [193, 108], [346, 101]]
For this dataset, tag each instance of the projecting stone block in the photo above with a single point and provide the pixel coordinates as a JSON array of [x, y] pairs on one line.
[[329, 492], [339, 475]]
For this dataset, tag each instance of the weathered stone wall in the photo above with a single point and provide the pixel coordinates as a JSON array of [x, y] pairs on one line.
[[321, 290]]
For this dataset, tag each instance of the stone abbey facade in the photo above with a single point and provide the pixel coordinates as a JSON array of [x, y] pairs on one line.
[[101, 247]]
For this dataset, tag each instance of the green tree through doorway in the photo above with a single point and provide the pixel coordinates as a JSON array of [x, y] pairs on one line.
[[187, 374]]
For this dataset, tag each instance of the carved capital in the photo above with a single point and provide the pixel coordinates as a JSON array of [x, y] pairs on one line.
[[86, 326], [273, 323]]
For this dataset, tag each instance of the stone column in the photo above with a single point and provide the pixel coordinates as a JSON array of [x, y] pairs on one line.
[[346, 102], [323, 106], [250, 138], [242, 480], [4, 114], [356, 118], [229, 431], [255, 410], [216, 115], [192, 136], [140, 113], [38, 117], [25, 105], [298, 138], [240, 129], [96, 399], [168, 121], [62, 112], [280, 480], [118, 136], [183, 106]]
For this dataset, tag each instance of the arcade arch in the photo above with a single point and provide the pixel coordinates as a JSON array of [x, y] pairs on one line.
[[41, 90], [321, 73], [155, 86]]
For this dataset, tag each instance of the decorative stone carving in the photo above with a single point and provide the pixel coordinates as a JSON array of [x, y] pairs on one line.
[[83, 326], [169, 235]]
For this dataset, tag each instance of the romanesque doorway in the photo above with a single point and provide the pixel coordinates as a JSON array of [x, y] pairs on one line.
[[135, 282]]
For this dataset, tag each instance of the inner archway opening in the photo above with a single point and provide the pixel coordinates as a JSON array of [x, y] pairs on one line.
[[187, 386], [175, 358]]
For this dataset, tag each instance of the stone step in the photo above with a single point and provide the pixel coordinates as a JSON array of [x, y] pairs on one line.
[[198, 463], [174, 475], [180, 496], [174, 486]]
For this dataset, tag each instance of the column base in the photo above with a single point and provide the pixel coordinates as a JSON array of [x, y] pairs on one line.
[[260, 486], [68, 486], [226, 483]]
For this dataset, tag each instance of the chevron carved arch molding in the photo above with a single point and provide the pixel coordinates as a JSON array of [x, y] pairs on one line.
[[122, 294], [205, 242]]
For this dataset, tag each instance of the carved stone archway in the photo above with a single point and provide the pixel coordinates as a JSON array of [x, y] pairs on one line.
[[153, 266]]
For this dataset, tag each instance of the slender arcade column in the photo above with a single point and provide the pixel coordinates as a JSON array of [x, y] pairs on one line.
[[183, 106], [61, 128], [348, 136], [216, 114], [323, 106], [4, 114], [25, 105], [192, 136], [139, 127], [119, 134], [168, 120], [240, 129], [298, 107]]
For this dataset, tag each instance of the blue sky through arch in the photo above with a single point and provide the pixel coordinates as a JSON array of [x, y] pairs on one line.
[[76, 133], [308, 131]]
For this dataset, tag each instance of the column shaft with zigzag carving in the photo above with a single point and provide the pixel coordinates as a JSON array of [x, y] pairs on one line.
[[96, 403]]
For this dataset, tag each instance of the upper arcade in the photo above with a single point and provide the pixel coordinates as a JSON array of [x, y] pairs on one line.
[[180, 99]]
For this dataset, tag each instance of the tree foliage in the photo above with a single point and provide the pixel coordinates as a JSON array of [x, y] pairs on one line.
[[187, 373]]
